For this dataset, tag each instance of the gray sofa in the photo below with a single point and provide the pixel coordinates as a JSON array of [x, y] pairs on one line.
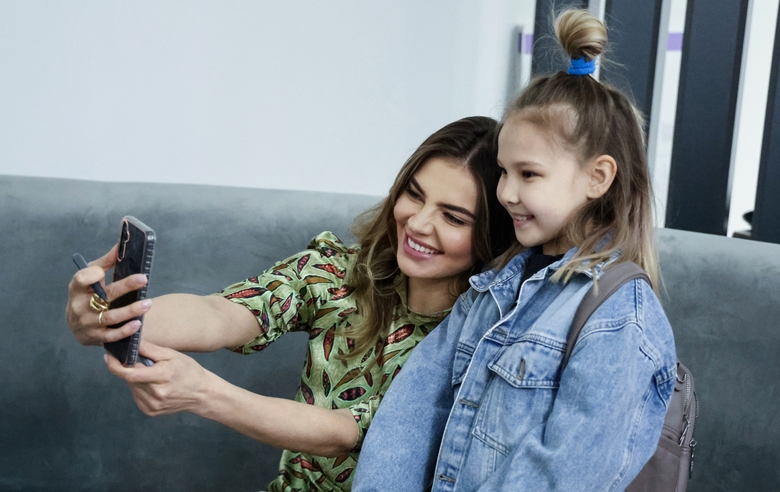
[[67, 424]]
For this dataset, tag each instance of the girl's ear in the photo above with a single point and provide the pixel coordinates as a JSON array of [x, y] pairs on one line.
[[601, 172]]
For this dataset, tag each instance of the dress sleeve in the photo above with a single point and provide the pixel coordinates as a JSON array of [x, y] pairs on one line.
[[363, 413], [399, 452], [286, 296]]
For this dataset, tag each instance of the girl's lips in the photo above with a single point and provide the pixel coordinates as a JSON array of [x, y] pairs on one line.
[[418, 250], [521, 220]]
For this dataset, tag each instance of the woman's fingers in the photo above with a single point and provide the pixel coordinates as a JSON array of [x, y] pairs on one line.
[[123, 314], [89, 327]]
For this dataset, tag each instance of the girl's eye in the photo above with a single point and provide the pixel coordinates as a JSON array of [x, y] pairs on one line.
[[529, 174], [454, 220], [503, 171]]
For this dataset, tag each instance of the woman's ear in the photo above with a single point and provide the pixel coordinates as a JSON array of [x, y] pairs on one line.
[[601, 173]]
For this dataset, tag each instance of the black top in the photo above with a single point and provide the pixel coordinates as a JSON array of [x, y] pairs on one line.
[[536, 262]]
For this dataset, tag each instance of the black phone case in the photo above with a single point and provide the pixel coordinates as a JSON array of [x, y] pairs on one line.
[[136, 249]]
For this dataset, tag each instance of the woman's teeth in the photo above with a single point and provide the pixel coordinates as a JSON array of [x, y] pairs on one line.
[[421, 249]]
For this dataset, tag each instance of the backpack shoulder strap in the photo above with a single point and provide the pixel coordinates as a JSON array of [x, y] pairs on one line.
[[611, 281]]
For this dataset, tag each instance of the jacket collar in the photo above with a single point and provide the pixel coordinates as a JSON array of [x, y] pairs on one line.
[[516, 266]]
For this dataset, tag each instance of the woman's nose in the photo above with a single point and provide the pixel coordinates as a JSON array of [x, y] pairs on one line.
[[421, 221]]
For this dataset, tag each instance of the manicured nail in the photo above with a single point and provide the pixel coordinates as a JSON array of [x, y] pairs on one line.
[[146, 303]]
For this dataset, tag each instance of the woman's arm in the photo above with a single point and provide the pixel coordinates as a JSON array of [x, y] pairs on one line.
[[180, 321], [178, 383]]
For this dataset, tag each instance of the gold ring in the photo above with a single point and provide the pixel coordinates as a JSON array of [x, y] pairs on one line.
[[97, 304], [100, 317]]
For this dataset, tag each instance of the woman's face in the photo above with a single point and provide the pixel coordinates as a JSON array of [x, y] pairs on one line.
[[434, 218]]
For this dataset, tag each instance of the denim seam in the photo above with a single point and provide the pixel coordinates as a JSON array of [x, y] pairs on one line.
[[489, 441], [629, 454]]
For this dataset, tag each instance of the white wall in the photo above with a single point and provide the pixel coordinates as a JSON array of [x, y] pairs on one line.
[[293, 95], [751, 110]]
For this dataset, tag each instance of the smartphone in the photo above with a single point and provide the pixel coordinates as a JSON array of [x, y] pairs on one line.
[[136, 249]]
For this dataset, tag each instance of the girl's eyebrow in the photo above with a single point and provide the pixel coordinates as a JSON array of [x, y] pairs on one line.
[[521, 163], [448, 206]]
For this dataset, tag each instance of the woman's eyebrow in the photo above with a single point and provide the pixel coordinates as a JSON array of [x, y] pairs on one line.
[[456, 208], [448, 206]]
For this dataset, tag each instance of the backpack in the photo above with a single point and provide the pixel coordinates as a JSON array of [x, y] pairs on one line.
[[672, 464]]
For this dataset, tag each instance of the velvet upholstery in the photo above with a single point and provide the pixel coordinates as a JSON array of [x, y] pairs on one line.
[[67, 424]]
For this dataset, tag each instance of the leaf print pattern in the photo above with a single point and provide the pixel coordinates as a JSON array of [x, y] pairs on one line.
[[327, 344], [308, 394], [340, 292], [349, 376], [330, 268], [352, 393], [400, 334], [325, 383], [243, 294], [307, 292], [302, 262]]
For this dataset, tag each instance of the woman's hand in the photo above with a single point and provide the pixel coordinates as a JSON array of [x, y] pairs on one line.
[[175, 383], [84, 322]]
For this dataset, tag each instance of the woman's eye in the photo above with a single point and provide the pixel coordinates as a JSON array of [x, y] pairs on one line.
[[413, 194], [455, 220], [503, 171], [529, 174]]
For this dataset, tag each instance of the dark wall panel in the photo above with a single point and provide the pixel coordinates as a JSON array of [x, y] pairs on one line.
[[766, 217], [704, 125], [633, 35]]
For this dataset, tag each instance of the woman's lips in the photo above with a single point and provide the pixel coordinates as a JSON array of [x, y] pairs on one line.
[[418, 249]]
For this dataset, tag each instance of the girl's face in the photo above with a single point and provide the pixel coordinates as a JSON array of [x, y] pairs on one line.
[[434, 221], [542, 185]]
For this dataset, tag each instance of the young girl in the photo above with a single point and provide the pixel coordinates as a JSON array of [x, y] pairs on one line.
[[482, 404], [364, 308]]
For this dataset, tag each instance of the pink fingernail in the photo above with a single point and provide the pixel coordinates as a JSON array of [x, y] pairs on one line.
[[146, 303]]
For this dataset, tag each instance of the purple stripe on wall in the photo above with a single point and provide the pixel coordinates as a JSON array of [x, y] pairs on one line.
[[528, 43], [674, 42]]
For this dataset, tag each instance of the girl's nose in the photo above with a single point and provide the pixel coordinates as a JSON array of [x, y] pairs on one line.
[[421, 222], [507, 194]]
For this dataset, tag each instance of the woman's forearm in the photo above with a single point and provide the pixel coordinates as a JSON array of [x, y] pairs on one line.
[[194, 323], [279, 422]]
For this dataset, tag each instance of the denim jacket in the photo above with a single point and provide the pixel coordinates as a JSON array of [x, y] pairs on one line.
[[483, 405]]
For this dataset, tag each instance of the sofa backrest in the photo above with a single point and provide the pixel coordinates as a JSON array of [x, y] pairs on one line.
[[67, 424]]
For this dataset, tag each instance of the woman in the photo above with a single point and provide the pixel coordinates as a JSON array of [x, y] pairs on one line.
[[365, 308]]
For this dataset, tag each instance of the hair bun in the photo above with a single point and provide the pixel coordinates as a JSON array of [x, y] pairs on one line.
[[580, 33]]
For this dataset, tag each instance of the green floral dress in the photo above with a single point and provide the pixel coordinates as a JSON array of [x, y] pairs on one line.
[[307, 292]]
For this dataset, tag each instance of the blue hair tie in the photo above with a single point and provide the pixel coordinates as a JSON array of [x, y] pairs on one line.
[[581, 66]]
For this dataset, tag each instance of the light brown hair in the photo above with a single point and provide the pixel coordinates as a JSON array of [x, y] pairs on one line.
[[470, 141], [591, 118]]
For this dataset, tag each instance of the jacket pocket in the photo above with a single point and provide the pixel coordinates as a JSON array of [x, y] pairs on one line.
[[520, 393], [460, 365]]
